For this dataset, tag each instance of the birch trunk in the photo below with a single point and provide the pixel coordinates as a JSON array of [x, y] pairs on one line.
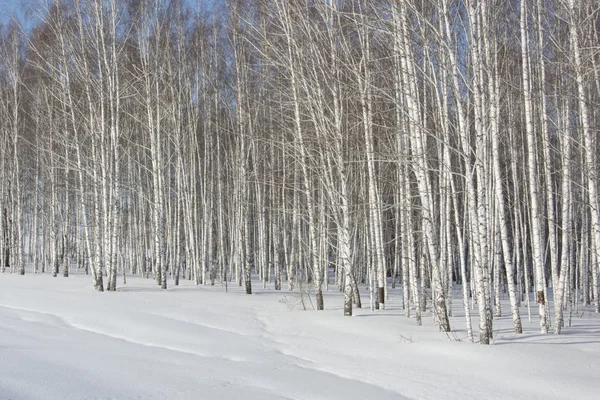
[[589, 145], [532, 175]]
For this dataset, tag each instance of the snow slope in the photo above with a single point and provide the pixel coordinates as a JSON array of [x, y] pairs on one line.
[[59, 339]]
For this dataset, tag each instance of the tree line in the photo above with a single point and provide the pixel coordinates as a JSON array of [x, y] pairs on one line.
[[432, 144]]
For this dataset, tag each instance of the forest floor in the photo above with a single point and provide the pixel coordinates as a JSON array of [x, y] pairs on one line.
[[59, 339]]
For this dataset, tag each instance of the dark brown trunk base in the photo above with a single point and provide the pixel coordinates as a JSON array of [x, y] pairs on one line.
[[348, 298], [248, 280], [320, 304], [355, 292]]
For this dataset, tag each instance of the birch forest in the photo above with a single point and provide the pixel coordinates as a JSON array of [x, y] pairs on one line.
[[432, 150]]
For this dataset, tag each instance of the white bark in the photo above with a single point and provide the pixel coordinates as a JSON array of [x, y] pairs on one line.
[[532, 175], [588, 144]]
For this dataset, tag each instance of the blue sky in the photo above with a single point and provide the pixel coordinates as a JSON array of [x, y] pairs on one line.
[[9, 8]]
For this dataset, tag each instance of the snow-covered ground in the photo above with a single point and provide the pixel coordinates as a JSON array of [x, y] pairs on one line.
[[59, 339]]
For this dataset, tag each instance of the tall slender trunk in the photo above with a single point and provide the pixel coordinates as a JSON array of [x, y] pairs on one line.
[[589, 145], [536, 224], [417, 144]]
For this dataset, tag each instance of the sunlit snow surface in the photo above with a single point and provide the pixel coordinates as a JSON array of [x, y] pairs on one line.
[[59, 339]]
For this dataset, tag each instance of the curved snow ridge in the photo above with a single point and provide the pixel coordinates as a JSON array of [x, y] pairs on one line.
[[154, 345], [64, 322], [310, 365], [54, 319], [314, 365], [202, 325]]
